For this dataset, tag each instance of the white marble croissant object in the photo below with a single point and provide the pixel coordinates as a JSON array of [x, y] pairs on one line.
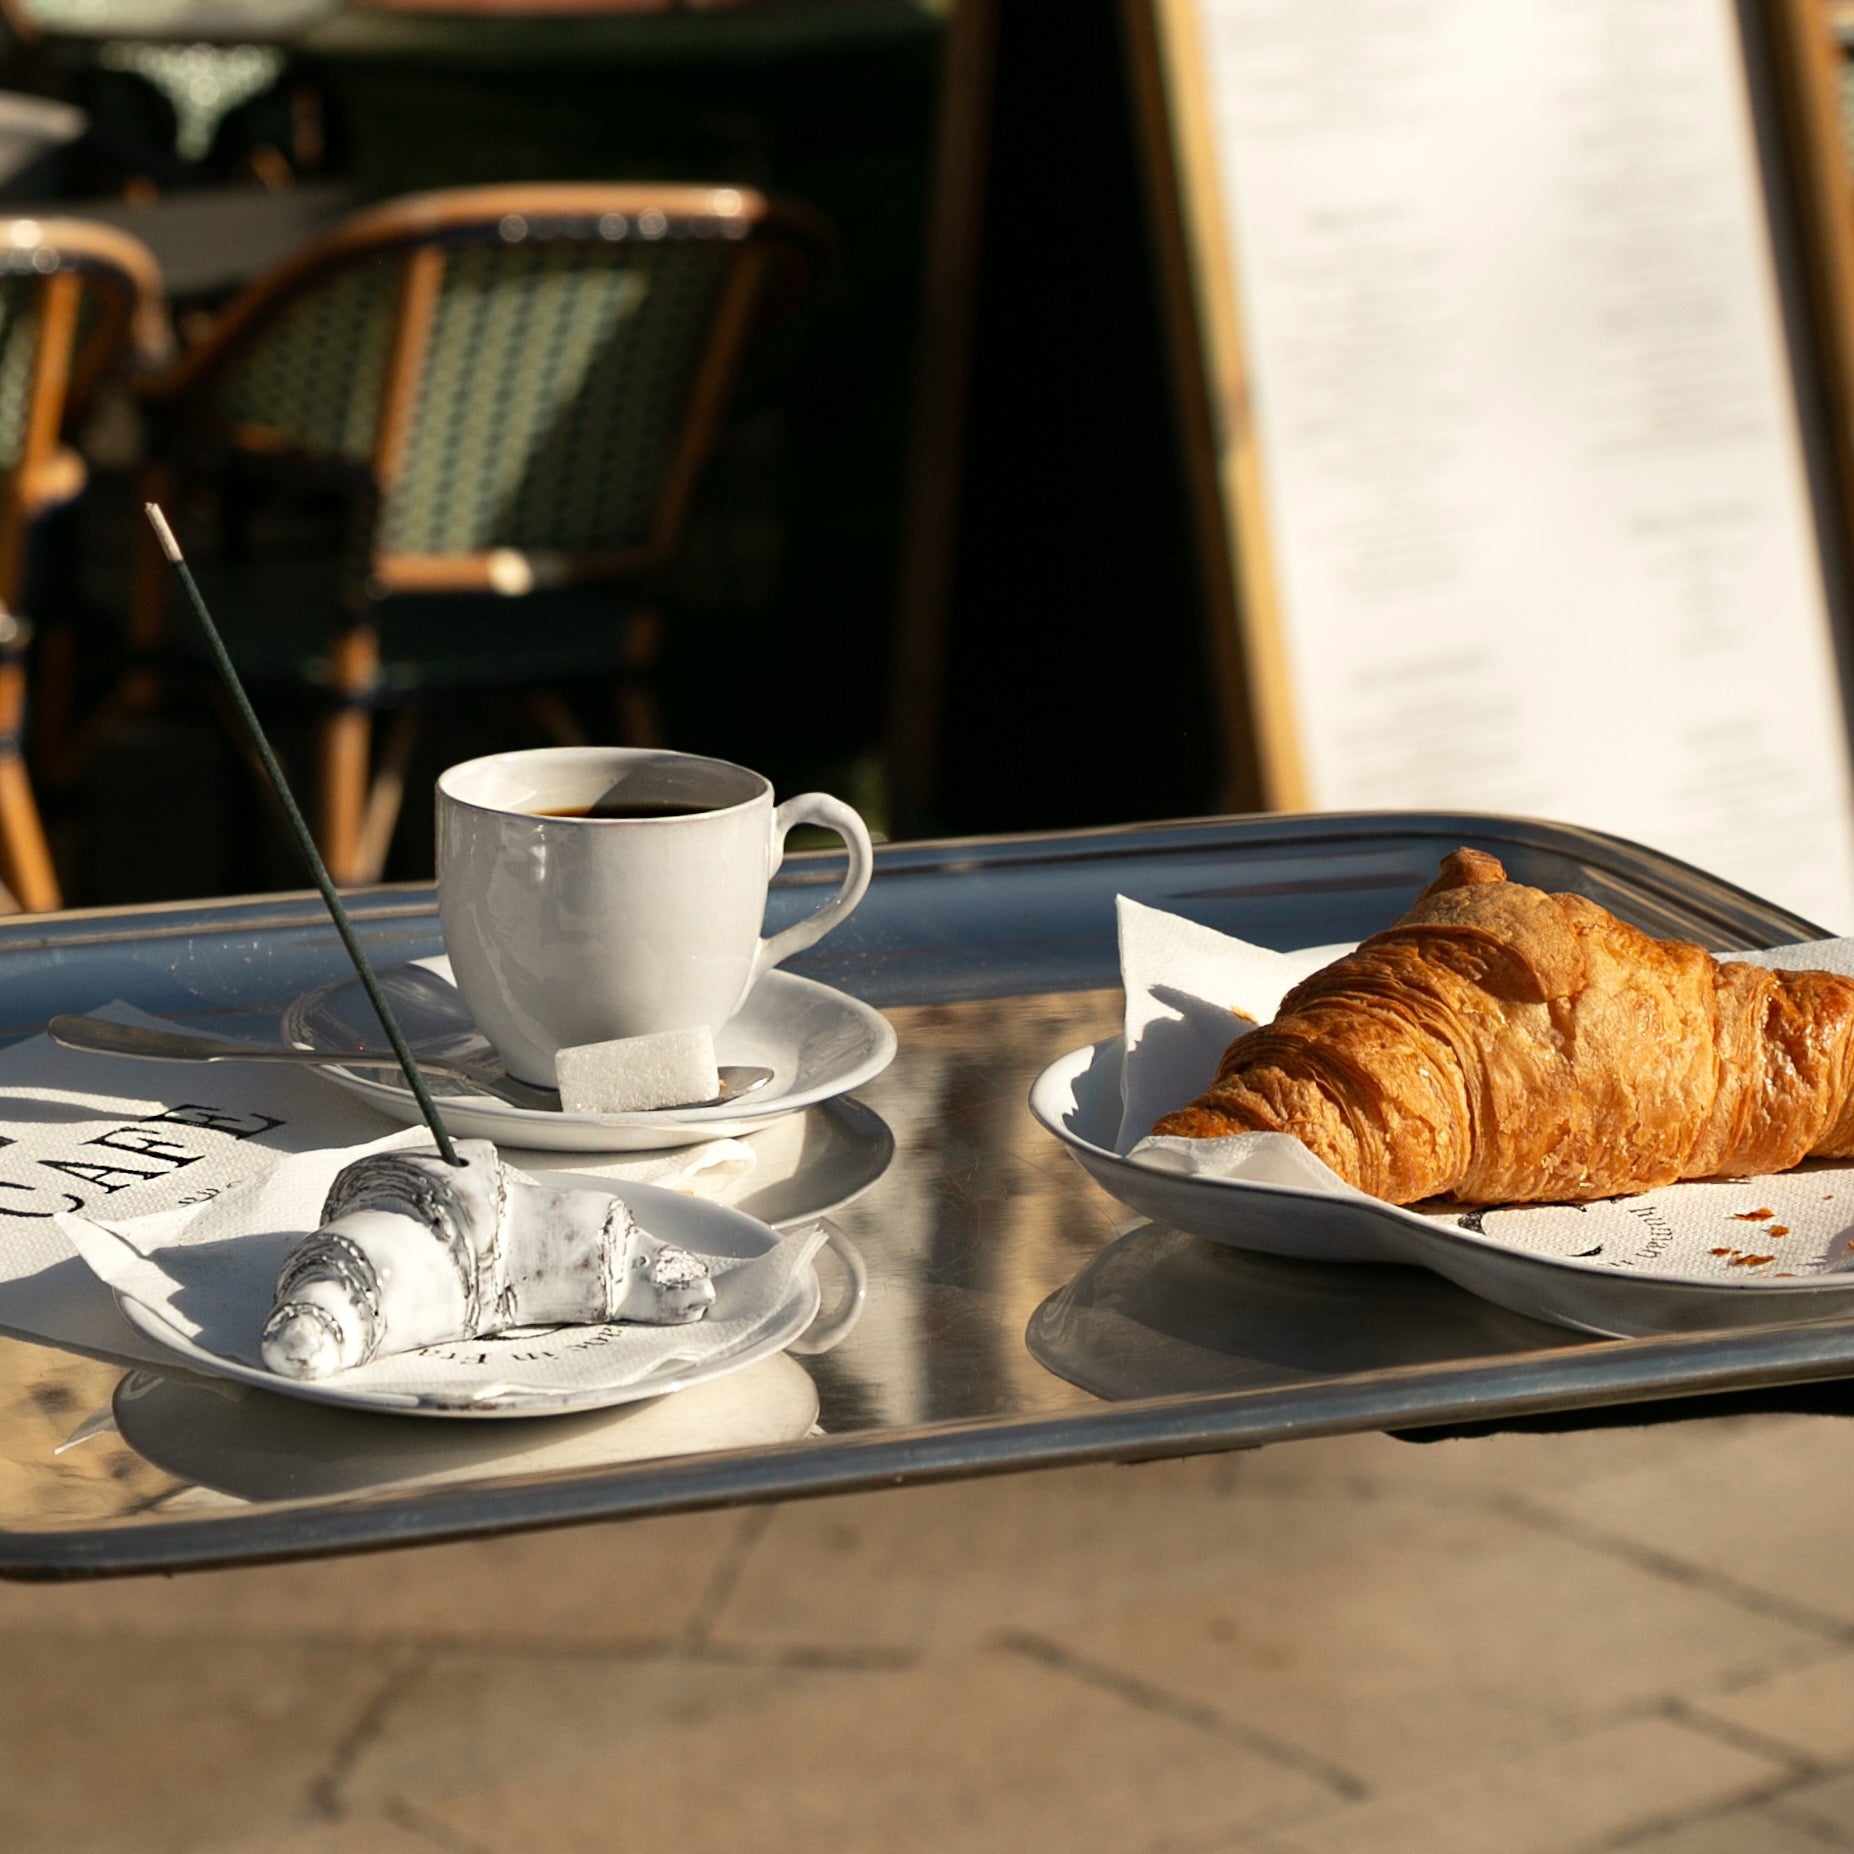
[[413, 1251]]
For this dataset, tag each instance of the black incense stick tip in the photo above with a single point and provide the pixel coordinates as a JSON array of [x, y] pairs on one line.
[[415, 1080]]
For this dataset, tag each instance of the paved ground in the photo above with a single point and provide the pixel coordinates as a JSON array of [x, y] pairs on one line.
[[1639, 1639]]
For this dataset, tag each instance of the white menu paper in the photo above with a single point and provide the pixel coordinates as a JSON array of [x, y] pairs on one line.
[[1537, 510]]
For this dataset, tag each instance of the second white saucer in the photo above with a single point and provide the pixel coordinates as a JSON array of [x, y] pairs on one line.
[[819, 1043]]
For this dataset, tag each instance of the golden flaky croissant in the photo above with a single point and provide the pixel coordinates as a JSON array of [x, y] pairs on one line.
[[1501, 1045]]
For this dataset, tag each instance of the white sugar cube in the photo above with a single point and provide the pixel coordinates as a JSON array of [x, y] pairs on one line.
[[632, 1074]]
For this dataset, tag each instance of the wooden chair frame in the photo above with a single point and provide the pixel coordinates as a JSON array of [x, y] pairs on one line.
[[358, 811]]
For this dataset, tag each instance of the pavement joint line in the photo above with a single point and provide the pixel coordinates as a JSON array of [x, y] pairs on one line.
[[1677, 1570], [414, 1820], [730, 1568], [1228, 1473], [1791, 1661], [805, 1659], [1694, 1716], [1760, 1796], [325, 1798], [1769, 1798], [1812, 1825], [1336, 1780]]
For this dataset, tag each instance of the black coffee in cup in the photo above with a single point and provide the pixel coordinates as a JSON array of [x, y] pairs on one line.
[[627, 808]]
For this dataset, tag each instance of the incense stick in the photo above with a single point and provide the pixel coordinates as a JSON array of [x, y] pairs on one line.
[[305, 842]]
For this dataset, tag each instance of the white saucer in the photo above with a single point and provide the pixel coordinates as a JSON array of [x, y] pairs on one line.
[[551, 1370], [1077, 1098], [819, 1043]]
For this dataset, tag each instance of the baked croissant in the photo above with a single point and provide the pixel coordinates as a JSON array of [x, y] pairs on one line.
[[1501, 1045]]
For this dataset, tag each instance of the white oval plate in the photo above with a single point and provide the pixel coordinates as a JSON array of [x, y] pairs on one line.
[[546, 1373], [1077, 1098], [819, 1043]]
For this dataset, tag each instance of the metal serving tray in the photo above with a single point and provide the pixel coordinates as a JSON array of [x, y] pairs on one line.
[[1016, 1319]]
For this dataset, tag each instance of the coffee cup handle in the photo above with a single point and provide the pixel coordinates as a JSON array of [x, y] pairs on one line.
[[832, 814]]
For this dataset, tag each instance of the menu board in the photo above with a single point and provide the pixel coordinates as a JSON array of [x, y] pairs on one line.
[[1505, 422]]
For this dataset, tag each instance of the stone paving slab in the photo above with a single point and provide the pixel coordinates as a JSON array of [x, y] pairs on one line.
[[352, 1834], [931, 1568], [1396, 1638], [106, 1745], [1582, 1792], [1531, 1644], [1761, 1513], [988, 1753]]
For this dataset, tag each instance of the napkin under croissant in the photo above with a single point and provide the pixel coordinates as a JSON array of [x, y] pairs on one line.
[[1502, 1045]]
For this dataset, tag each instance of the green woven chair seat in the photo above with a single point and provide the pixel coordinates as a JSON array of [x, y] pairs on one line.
[[277, 620]]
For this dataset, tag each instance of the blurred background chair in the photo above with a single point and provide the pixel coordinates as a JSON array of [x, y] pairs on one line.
[[74, 299], [505, 396]]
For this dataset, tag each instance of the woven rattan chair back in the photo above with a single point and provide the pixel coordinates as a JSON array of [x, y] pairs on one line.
[[530, 375], [74, 296], [523, 381]]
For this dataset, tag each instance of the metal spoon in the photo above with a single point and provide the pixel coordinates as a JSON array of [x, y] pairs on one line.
[[96, 1033]]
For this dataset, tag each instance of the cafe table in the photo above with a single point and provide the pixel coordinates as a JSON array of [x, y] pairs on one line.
[[182, 22], [1016, 1317], [211, 240]]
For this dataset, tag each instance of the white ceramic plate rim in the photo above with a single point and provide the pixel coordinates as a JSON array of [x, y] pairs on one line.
[[1054, 1086], [765, 1105], [784, 1324]]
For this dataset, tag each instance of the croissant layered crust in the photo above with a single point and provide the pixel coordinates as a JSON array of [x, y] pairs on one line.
[[1500, 1045]]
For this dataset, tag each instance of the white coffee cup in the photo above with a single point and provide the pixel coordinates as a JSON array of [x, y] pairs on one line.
[[575, 929]]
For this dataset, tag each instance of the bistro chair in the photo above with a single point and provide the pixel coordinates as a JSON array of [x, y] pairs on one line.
[[74, 297], [514, 389]]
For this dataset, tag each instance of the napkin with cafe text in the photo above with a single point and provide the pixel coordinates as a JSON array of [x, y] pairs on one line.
[[1190, 991], [104, 1138]]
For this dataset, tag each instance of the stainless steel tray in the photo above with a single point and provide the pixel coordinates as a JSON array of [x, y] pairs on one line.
[[1014, 1318]]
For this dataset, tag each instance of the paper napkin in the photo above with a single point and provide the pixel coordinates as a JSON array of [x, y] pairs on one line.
[[1189, 993], [1184, 984]]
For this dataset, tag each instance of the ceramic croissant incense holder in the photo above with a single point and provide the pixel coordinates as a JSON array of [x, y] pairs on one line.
[[413, 1251]]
